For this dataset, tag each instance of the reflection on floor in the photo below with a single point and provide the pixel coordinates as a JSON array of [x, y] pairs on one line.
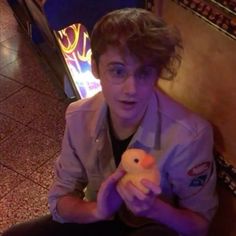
[[31, 125], [32, 120]]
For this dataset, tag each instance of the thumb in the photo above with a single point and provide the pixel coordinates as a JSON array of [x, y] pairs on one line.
[[117, 175]]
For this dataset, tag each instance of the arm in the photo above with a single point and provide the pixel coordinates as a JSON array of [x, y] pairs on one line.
[[74, 209], [183, 221], [192, 174], [72, 176], [192, 177]]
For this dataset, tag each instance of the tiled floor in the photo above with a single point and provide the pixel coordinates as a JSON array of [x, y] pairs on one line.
[[31, 124], [32, 112]]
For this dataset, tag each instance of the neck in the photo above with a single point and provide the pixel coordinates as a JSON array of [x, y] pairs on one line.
[[123, 129]]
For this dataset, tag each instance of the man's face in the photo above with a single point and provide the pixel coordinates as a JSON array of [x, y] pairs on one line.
[[127, 84]]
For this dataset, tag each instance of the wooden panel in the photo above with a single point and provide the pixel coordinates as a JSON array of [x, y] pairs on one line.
[[206, 82]]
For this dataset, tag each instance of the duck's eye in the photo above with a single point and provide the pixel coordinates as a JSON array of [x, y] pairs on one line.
[[136, 160]]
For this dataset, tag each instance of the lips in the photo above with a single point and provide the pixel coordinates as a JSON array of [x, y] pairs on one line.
[[128, 102], [128, 105]]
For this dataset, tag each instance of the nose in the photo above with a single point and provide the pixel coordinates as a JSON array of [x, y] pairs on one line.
[[130, 85]]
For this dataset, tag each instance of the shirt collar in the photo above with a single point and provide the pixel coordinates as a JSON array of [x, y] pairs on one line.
[[98, 118], [148, 134]]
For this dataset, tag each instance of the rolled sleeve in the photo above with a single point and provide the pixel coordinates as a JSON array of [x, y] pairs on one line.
[[70, 177]]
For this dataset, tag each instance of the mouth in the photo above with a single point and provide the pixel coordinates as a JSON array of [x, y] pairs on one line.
[[128, 104]]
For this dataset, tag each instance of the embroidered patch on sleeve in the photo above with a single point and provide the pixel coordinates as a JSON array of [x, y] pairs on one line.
[[198, 181], [199, 169]]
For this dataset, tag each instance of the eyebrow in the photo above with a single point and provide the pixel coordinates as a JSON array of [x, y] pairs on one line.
[[115, 63]]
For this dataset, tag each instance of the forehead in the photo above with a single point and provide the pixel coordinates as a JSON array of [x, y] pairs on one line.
[[115, 54]]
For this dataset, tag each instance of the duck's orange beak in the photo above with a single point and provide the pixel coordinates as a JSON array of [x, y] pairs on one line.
[[147, 162]]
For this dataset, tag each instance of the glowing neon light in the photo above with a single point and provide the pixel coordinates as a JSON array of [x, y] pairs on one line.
[[74, 43]]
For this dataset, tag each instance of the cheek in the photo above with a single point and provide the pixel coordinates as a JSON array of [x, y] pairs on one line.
[[108, 92], [146, 91], [110, 89]]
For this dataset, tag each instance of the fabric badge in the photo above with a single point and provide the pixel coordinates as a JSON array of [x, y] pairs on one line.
[[199, 169], [198, 181], [199, 174]]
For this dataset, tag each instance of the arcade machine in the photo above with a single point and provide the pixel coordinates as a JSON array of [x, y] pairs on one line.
[[65, 27]]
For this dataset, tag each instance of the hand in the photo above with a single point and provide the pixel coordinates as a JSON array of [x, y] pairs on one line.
[[108, 199], [137, 201]]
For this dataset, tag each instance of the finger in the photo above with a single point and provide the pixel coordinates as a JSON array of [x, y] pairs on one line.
[[137, 206], [129, 192], [151, 186], [117, 175], [113, 178], [111, 181], [135, 192], [122, 190]]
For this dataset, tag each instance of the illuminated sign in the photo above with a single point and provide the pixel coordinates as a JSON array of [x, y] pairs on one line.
[[74, 43]]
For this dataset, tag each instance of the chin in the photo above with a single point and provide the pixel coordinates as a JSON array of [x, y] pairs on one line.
[[129, 117]]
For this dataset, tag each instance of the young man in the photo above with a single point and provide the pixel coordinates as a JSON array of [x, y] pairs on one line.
[[131, 50]]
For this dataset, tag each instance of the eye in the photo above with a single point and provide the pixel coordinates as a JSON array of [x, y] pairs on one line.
[[117, 72], [145, 73], [136, 160]]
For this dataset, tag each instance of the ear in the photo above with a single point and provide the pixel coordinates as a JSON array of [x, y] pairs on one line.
[[94, 68]]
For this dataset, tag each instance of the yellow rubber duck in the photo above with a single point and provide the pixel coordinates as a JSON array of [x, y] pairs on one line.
[[139, 165]]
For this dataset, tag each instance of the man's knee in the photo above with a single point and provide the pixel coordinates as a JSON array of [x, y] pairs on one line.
[[38, 226]]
